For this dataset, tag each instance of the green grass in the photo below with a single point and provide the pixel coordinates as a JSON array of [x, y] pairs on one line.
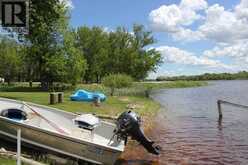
[[172, 84], [8, 161], [113, 106], [5, 161], [140, 88]]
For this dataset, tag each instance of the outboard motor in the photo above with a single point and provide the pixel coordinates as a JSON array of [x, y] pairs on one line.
[[128, 124]]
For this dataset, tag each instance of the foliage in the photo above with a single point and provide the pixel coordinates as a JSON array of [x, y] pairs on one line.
[[129, 55], [94, 45], [117, 52], [10, 60], [45, 55], [117, 81], [75, 62], [208, 76], [137, 88], [54, 53]]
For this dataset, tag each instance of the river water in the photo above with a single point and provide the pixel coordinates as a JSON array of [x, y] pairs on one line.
[[188, 130]]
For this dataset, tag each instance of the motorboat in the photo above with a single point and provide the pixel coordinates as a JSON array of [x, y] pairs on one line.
[[84, 137]]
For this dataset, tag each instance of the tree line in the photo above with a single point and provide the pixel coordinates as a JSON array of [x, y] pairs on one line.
[[55, 52], [243, 75]]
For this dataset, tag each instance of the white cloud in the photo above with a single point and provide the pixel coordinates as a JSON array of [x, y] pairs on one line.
[[194, 4], [68, 3], [166, 18], [228, 28], [223, 26], [176, 55], [237, 52], [162, 72], [107, 29], [172, 17], [241, 10], [218, 24], [184, 58], [187, 35]]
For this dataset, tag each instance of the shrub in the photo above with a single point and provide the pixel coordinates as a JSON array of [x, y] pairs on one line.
[[117, 81]]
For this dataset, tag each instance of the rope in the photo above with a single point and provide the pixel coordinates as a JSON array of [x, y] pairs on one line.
[[54, 125]]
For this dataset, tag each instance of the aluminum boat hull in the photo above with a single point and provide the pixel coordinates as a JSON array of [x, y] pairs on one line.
[[76, 148]]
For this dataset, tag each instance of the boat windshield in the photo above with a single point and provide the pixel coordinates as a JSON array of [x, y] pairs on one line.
[[14, 114]]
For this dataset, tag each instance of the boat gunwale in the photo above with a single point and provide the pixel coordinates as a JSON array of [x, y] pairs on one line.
[[72, 139]]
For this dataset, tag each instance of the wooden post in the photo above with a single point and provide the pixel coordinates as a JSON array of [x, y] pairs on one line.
[[219, 102], [60, 97], [53, 99], [219, 109], [19, 147]]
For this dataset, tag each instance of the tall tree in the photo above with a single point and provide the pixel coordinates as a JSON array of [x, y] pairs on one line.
[[146, 59], [48, 21], [75, 62], [93, 42], [117, 52], [129, 53]]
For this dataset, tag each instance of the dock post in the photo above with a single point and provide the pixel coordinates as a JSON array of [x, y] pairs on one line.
[[219, 109], [19, 147]]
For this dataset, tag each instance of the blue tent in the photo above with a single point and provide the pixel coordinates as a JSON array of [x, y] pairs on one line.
[[83, 95]]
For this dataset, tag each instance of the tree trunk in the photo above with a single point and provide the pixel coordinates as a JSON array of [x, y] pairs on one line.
[[8, 81], [50, 86], [44, 85], [112, 91], [30, 84], [97, 78]]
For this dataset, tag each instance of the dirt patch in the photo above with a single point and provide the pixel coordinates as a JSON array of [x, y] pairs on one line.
[[134, 106], [124, 99]]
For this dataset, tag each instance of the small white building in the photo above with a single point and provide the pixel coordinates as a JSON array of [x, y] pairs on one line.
[[1, 80]]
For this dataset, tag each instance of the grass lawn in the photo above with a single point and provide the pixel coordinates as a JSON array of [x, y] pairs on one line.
[[8, 161], [112, 106], [134, 96], [5, 161]]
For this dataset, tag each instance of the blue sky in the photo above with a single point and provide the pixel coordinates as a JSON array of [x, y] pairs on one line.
[[193, 36]]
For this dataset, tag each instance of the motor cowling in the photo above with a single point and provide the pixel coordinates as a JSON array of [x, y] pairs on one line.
[[128, 125]]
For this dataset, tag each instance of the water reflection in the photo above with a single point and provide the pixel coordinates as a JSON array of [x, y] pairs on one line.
[[137, 162]]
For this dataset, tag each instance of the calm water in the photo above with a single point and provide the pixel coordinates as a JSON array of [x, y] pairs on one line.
[[188, 128]]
